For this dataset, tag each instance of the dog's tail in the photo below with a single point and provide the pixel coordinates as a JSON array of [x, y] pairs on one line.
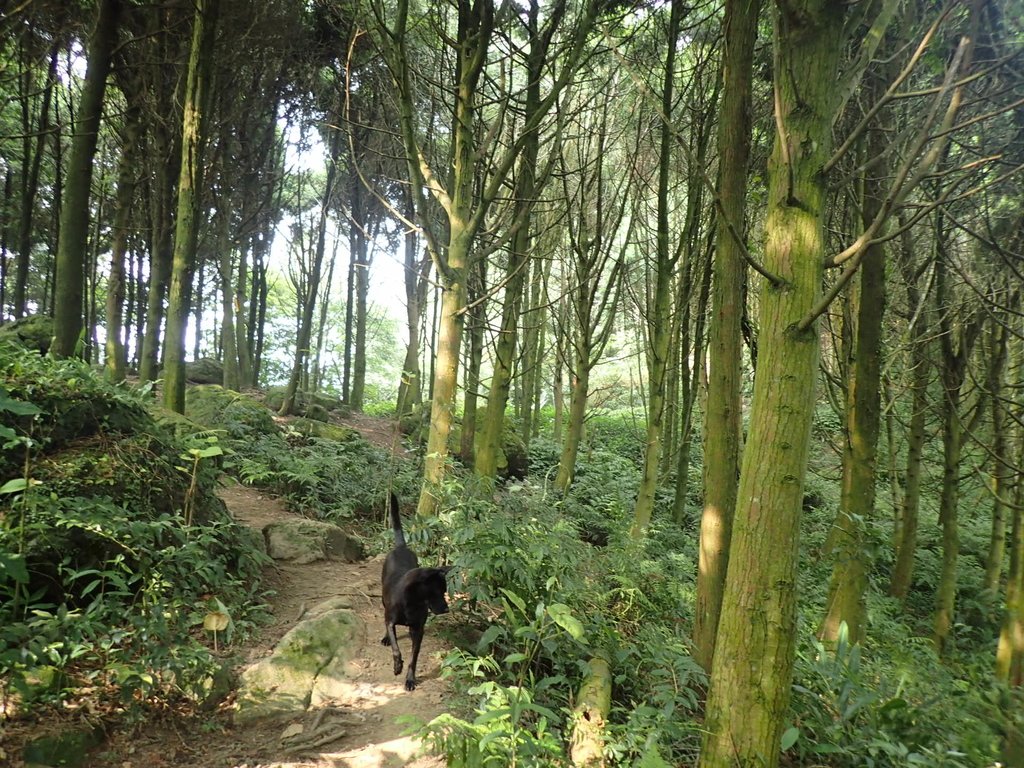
[[396, 522]]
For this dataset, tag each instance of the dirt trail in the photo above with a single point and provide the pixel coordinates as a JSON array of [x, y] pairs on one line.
[[367, 710]]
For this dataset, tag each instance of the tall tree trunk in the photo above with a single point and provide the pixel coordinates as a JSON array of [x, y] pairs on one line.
[[1001, 463], [903, 568], [956, 342], [474, 359], [30, 187], [848, 586], [307, 305], [409, 388], [226, 268], [659, 323], [723, 416], [74, 217], [116, 360], [1010, 650], [485, 462], [161, 250], [186, 232], [361, 260], [752, 668]]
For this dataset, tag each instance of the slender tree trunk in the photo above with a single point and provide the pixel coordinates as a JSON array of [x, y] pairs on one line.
[[532, 350], [489, 442], [116, 359], [186, 233], [232, 376], [1010, 650], [903, 568], [723, 415], [307, 304], [848, 587], [161, 248], [1001, 463], [752, 668], [362, 288], [659, 321], [74, 218], [30, 187], [474, 359], [409, 389]]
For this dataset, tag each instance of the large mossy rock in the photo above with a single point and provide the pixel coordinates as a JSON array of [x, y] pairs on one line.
[[241, 416], [312, 656], [34, 332], [306, 541], [313, 428], [205, 370], [312, 405]]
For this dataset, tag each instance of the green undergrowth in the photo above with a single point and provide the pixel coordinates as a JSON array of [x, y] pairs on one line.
[[538, 600], [113, 547], [545, 583]]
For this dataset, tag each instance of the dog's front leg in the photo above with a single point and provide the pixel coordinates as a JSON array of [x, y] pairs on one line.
[[416, 633], [391, 638]]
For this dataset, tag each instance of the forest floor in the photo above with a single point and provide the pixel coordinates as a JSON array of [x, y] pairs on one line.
[[367, 716], [370, 732]]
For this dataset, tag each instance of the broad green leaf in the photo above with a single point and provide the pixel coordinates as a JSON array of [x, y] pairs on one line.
[[561, 614], [515, 599], [14, 566], [14, 486], [790, 737]]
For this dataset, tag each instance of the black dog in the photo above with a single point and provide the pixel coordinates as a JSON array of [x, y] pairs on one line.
[[409, 593]]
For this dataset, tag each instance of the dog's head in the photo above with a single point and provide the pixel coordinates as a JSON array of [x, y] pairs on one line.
[[436, 589]]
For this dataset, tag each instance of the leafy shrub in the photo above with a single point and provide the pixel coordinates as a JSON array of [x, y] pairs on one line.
[[847, 716], [545, 601], [329, 479], [103, 581]]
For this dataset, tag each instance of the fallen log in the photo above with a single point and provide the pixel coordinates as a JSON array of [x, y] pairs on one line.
[[592, 707]]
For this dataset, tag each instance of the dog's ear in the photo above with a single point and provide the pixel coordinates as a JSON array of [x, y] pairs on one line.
[[446, 569]]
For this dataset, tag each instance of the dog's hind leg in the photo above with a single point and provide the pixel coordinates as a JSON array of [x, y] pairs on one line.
[[396, 654], [416, 633]]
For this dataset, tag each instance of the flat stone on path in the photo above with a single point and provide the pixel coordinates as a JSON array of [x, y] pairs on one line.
[[313, 653]]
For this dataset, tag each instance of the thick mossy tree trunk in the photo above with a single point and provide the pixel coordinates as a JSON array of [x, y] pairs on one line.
[[190, 179], [74, 214], [116, 362], [752, 668], [446, 368], [574, 429], [722, 421]]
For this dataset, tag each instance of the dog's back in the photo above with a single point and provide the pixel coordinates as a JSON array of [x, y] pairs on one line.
[[401, 559]]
